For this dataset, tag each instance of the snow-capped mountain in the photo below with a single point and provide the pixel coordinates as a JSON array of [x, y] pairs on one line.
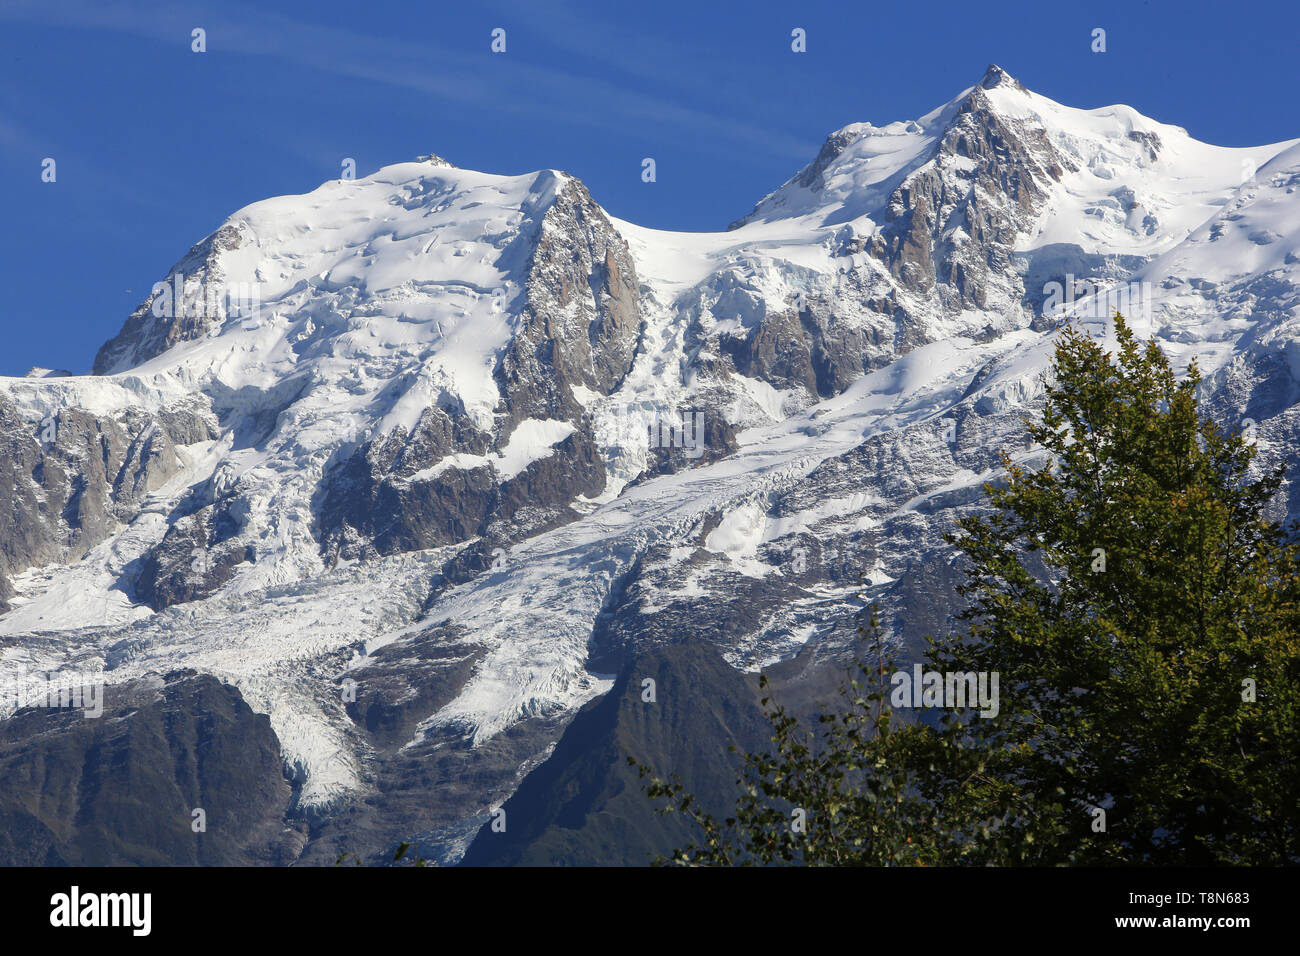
[[419, 463]]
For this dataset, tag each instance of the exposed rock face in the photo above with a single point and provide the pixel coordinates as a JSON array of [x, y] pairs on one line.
[[375, 499], [952, 224], [193, 560], [820, 341], [586, 806], [201, 305], [411, 508], [579, 326], [945, 242], [703, 437], [122, 789], [581, 318], [73, 477], [418, 785]]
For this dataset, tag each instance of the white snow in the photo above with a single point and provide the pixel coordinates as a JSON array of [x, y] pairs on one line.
[[396, 291]]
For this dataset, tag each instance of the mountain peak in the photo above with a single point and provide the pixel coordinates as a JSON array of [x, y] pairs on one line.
[[996, 76]]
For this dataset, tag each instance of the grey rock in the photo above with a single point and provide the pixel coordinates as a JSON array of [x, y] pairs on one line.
[[121, 789], [146, 335]]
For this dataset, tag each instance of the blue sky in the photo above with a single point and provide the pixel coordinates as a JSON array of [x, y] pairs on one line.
[[155, 144]]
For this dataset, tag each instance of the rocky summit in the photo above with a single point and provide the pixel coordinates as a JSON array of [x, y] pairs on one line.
[[423, 499]]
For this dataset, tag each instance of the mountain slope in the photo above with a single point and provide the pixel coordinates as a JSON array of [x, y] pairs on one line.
[[124, 788], [465, 446], [586, 806]]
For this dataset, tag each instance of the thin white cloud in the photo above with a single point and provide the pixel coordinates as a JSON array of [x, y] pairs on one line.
[[473, 78]]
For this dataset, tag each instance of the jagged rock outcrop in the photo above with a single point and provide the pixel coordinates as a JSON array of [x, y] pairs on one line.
[[73, 477], [951, 226], [579, 325], [191, 302], [580, 319], [194, 559]]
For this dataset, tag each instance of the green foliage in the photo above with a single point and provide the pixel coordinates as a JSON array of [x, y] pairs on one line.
[[399, 854], [416, 860], [1130, 593]]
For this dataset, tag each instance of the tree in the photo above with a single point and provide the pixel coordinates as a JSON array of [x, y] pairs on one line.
[[1143, 616]]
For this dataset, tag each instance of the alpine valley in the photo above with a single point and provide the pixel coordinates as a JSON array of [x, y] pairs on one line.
[[489, 489]]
